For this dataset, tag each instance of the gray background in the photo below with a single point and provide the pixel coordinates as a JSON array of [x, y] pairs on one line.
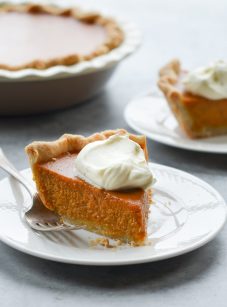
[[194, 31]]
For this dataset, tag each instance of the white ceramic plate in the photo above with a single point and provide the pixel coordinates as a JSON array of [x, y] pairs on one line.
[[150, 115], [186, 214]]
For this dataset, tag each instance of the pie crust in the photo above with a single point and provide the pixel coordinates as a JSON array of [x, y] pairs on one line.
[[198, 116], [114, 38], [41, 152]]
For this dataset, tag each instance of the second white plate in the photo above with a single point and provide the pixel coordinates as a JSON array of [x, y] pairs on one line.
[[151, 116]]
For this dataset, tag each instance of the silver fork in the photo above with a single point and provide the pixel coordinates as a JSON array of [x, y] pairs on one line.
[[38, 216]]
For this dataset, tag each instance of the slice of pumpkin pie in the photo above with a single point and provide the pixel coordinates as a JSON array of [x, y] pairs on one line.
[[101, 182], [197, 98]]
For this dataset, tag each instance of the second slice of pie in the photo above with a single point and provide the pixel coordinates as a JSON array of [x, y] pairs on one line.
[[198, 98]]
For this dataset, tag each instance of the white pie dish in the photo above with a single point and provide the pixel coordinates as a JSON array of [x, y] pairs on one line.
[[30, 91]]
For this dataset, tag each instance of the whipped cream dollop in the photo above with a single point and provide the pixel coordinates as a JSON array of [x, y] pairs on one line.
[[209, 81], [116, 163]]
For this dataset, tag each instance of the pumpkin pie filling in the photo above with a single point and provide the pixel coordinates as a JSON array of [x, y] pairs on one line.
[[41, 36], [205, 110]]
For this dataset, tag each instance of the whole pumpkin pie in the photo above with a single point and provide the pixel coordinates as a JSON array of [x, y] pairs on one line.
[[198, 99], [101, 182], [42, 36]]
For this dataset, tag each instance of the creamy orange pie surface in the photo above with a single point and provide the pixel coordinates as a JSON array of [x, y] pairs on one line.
[[199, 106], [37, 36], [118, 214]]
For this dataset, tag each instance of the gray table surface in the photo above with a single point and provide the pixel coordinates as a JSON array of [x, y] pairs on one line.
[[195, 31]]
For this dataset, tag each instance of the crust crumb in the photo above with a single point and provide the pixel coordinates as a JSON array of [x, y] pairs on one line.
[[101, 241], [106, 243]]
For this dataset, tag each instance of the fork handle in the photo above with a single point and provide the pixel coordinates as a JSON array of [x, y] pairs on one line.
[[7, 166]]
